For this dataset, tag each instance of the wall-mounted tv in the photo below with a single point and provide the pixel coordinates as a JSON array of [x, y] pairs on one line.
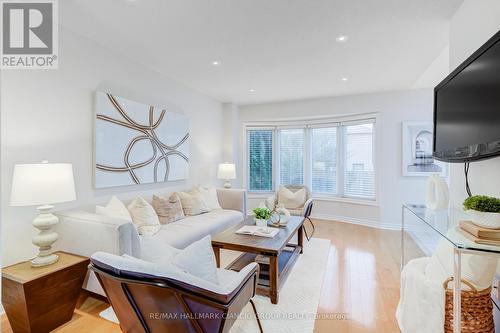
[[467, 108]]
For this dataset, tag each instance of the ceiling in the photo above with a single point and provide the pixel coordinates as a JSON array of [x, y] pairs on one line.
[[281, 49]]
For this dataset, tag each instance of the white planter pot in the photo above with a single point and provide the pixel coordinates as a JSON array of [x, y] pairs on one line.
[[260, 223], [485, 220]]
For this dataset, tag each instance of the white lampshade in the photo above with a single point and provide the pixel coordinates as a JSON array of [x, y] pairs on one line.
[[42, 184], [226, 171]]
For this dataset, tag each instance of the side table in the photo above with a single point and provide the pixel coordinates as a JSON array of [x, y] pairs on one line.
[[40, 299]]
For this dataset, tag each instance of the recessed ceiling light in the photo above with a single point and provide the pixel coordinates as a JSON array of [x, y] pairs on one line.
[[252, 90], [215, 63], [342, 38], [344, 79]]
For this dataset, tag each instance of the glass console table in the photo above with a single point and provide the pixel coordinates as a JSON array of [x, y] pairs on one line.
[[436, 225]]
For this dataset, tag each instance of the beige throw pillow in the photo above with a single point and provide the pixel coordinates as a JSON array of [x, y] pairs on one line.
[[168, 209], [192, 202], [291, 200], [144, 217]]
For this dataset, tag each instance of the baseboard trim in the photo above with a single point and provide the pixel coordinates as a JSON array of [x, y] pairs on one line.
[[357, 221]]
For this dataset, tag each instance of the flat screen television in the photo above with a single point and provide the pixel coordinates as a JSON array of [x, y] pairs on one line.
[[467, 108]]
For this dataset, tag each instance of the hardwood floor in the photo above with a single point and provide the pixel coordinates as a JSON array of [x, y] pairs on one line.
[[360, 290]]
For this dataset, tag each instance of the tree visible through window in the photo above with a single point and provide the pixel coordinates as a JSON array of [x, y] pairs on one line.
[[260, 156]]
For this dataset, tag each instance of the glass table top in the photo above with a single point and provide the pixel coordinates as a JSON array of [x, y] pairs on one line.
[[445, 223]]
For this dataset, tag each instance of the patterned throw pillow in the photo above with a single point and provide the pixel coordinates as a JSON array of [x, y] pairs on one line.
[[168, 209]]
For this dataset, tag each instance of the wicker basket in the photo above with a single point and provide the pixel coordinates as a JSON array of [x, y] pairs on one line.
[[477, 309]]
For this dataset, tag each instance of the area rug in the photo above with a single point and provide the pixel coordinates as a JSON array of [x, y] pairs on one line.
[[298, 298]]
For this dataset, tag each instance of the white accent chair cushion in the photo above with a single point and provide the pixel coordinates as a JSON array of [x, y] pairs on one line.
[[292, 200], [115, 208], [230, 281], [144, 217]]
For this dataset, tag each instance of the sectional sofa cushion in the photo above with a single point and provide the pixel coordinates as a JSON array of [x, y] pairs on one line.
[[144, 217], [181, 233], [192, 202], [168, 209], [114, 208]]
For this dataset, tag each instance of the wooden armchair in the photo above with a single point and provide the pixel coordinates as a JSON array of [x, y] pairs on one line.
[[150, 303]]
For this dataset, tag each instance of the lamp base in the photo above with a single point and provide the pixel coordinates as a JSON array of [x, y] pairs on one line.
[[44, 240], [227, 184], [45, 260]]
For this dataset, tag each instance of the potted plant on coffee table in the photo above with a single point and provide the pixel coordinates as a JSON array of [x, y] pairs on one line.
[[261, 216], [484, 211]]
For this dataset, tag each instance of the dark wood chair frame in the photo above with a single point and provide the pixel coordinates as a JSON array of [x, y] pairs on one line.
[[141, 301], [307, 214]]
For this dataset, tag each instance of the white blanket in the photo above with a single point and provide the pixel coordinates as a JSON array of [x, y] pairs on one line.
[[421, 305]]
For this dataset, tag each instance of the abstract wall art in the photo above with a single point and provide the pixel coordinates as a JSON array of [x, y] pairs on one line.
[[136, 143], [417, 151]]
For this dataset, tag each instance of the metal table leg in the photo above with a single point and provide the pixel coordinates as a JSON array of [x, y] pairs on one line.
[[457, 294], [402, 237]]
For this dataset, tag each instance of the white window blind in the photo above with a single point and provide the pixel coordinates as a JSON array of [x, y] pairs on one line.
[[291, 156], [324, 160], [260, 160], [359, 173]]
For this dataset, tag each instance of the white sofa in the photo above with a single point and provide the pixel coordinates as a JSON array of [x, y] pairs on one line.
[[84, 233]]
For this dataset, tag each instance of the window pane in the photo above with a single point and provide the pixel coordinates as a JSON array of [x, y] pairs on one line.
[[260, 157], [359, 177], [324, 160], [291, 156]]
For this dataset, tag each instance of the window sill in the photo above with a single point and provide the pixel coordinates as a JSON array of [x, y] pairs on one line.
[[354, 201]]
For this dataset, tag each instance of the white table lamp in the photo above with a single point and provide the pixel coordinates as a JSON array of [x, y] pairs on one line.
[[227, 171], [42, 185]]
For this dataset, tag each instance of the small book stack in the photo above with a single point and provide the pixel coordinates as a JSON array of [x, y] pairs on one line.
[[480, 235]]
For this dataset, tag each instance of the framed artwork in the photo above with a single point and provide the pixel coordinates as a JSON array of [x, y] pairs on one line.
[[137, 143], [417, 151]]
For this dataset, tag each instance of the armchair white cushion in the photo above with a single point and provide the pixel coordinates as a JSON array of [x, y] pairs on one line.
[[229, 281]]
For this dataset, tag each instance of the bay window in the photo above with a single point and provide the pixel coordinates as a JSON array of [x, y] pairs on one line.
[[334, 159]]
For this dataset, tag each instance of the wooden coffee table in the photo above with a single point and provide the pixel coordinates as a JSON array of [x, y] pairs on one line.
[[282, 255]]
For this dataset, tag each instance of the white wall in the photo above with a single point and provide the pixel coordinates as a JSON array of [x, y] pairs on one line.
[[472, 25], [49, 115], [393, 109], [436, 71]]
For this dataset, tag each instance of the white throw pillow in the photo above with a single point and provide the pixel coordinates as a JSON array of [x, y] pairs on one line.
[[157, 251], [209, 197], [291, 200], [192, 202], [197, 259], [115, 208], [144, 217]]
